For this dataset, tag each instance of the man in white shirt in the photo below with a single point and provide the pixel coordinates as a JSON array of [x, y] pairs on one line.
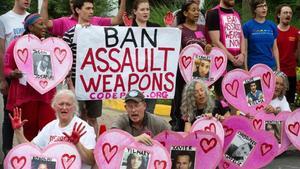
[[11, 27]]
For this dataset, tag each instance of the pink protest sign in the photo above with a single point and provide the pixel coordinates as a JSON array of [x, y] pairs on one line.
[[45, 63], [204, 148], [245, 147], [194, 63], [58, 155], [249, 91], [275, 125], [115, 149], [292, 128], [211, 125]]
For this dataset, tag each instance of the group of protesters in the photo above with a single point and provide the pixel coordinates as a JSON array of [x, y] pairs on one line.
[[35, 117]]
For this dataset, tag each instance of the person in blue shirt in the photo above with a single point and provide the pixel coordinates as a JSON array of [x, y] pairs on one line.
[[260, 37]]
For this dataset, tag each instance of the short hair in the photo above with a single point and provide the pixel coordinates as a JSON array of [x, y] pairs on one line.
[[79, 3], [67, 92], [278, 11], [184, 153], [253, 5]]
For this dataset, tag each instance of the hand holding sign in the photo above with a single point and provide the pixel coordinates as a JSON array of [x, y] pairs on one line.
[[76, 133], [169, 18], [16, 121], [127, 20]]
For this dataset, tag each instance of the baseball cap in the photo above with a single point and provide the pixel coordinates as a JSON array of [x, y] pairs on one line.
[[134, 95]]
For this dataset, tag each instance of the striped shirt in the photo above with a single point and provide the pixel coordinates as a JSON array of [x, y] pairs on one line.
[[69, 39]]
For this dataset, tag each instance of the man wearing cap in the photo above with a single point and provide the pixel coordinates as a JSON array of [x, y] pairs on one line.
[[139, 123]]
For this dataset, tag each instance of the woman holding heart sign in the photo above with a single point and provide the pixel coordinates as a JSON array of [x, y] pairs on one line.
[[36, 107], [191, 33]]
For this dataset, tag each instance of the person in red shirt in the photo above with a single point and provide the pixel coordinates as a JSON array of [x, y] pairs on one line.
[[288, 41]]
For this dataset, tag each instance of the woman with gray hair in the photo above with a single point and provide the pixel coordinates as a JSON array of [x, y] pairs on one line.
[[279, 102], [196, 101], [67, 127]]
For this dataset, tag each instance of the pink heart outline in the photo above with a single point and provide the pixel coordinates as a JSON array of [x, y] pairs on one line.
[[228, 131], [111, 148], [67, 160], [265, 148], [43, 83], [158, 163], [23, 57], [232, 88], [60, 54], [257, 123], [208, 145], [186, 61], [211, 128], [18, 160], [294, 128], [218, 63], [267, 78]]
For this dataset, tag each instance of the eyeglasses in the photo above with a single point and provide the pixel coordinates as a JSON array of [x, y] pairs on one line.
[[262, 6]]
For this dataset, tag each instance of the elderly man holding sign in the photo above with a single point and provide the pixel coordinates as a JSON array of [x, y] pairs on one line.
[[139, 123]]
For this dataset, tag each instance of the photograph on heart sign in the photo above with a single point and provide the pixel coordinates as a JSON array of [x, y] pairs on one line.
[[240, 148], [135, 159], [275, 127], [253, 91], [183, 157], [42, 64], [43, 163], [201, 67]]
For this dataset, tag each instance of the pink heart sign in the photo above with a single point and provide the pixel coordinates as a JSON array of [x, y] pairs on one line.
[[249, 91], [46, 63], [292, 128], [275, 125], [117, 153], [203, 148], [58, 155], [211, 125], [245, 147], [194, 63]]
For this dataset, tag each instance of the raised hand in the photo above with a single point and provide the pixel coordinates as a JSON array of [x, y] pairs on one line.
[[169, 18], [16, 120], [127, 20], [76, 133]]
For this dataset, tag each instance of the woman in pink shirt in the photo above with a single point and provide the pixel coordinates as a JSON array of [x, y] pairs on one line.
[[36, 107]]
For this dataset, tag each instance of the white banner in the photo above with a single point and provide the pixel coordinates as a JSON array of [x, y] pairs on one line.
[[113, 60]]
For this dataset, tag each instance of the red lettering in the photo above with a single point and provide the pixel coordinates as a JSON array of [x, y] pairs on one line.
[[138, 62], [86, 61], [119, 83], [106, 83], [132, 79], [169, 87], [127, 56], [165, 55], [145, 79], [114, 60], [157, 81], [90, 83], [102, 60], [152, 68]]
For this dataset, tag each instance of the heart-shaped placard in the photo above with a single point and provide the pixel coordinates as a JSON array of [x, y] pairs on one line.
[[249, 91], [46, 63], [116, 153], [292, 128], [58, 155], [275, 125], [245, 147], [211, 125], [195, 64], [203, 148]]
